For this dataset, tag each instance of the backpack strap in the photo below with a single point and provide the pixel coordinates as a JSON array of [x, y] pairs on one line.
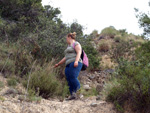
[[73, 45]]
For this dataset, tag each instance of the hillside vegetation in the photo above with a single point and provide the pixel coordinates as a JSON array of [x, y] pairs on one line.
[[33, 39], [128, 56]]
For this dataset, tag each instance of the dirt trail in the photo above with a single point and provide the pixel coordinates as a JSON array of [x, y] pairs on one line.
[[10, 102], [89, 105]]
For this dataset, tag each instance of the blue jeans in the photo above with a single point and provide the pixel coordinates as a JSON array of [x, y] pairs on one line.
[[72, 74]]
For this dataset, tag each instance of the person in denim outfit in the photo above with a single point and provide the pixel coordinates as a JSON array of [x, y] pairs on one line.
[[73, 64]]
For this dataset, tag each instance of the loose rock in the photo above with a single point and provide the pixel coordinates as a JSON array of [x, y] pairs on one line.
[[10, 91], [99, 87], [93, 105], [86, 87]]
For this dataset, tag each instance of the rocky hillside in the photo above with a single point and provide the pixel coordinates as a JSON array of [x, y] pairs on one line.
[[114, 44], [13, 100], [90, 97]]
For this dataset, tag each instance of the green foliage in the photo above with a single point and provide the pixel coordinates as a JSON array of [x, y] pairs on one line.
[[144, 21], [119, 107], [2, 98], [7, 65], [94, 60], [122, 50], [23, 63], [44, 81], [51, 12], [143, 53], [75, 27], [33, 19], [50, 40], [33, 96], [12, 82], [103, 47], [132, 84], [1, 84], [109, 31], [15, 9], [20, 15], [118, 38], [38, 30], [93, 35], [39, 34], [14, 59], [123, 32], [65, 90], [88, 93]]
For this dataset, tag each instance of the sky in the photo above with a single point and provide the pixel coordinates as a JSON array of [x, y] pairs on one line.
[[99, 14]]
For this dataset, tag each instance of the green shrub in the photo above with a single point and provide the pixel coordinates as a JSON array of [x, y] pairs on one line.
[[1, 84], [119, 107], [113, 82], [143, 53], [133, 84], [93, 35], [7, 65], [2, 98], [88, 93], [109, 31], [104, 47], [44, 81], [12, 82], [23, 62], [94, 60], [123, 32], [65, 90], [122, 50], [33, 96], [118, 38]]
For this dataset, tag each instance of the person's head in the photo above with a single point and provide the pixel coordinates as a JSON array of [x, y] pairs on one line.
[[71, 37]]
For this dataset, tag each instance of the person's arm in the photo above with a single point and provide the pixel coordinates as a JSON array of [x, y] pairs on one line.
[[61, 62], [78, 51]]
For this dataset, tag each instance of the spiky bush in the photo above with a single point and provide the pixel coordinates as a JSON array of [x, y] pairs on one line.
[[44, 81], [133, 85], [133, 82], [109, 31], [12, 82], [118, 38], [122, 50], [104, 47]]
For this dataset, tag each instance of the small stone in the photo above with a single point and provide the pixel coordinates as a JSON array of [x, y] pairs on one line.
[[88, 83], [10, 91], [110, 71], [21, 98], [86, 87], [93, 105], [88, 80], [81, 96], [99, 87], [95, 72], [91, 77], [98, 98]]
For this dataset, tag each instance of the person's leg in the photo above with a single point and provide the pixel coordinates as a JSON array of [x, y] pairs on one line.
[[67, 73], [74, 76]]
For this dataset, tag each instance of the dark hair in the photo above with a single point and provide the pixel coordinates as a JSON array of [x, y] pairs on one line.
[[72, 35]]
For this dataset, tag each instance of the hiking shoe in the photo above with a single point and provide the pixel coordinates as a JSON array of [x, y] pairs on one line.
[[72, 97]]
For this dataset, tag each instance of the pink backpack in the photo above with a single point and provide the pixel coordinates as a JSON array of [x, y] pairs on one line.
[[84, 58]]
